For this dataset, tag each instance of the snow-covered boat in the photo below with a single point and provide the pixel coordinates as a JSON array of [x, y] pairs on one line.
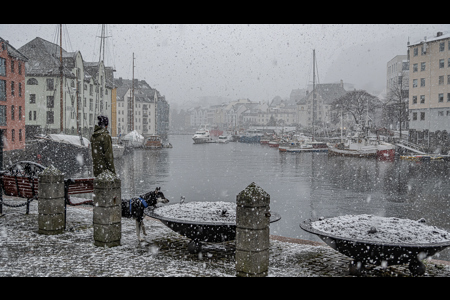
[[133, 139]]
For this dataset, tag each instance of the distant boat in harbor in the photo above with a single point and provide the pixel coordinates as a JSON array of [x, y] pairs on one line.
[[202, 136]]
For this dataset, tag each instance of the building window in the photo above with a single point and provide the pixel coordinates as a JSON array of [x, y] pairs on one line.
[[20, 112], [20, 89], [2, 67], [30, 115], [13, 133], [414, 116], [448, 97], [2, 90], [50, 102], [416, 51], [20, 135], [422, 81], [422, 99], [441, 63], [12, 112], [414, 83], [441, 80], [415, 67], [34, 115], [423, 66], [441, 97], [441, 46], [50, 86], [50, 117], [2, 115], [32, 98], [12, 66], [414, 99], [440, 113], [32, 81], [12, 88], [20, 68], [422, 116]]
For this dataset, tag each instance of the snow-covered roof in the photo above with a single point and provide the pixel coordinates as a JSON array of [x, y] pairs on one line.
[[437, 37]]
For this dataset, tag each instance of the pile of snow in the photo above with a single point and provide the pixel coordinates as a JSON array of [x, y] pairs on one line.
[[222, 212], [382, 229]]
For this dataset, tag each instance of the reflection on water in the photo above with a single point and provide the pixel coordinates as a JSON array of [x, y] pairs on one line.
[[300, 186]]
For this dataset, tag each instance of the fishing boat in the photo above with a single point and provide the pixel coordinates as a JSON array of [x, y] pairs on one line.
[[251, 136], [360, 145], [153, 142]]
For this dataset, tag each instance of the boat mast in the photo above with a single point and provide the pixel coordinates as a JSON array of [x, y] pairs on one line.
[[61, 110], [314, 94], [132, 99]]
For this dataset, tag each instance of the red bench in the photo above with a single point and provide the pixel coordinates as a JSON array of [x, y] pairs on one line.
[[21, 180]]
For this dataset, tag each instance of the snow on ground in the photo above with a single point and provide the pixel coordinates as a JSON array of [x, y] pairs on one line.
[[382, 229]]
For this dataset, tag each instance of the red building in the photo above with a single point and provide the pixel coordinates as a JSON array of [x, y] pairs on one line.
[[12, 96]]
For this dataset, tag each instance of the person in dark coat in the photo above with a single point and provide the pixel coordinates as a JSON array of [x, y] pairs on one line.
[[102, 151]]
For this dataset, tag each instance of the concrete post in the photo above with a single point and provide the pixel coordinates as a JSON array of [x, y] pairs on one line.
[[252, 232], [51, 201], [107, 215]]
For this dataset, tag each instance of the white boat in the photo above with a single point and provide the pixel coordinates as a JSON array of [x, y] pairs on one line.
[[223, 139], [360, 145], [133, 139], [202, 136]]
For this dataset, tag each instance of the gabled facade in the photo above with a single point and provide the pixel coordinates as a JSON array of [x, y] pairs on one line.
[[86, 90], [150, 114], [12, 96], [325, 94]]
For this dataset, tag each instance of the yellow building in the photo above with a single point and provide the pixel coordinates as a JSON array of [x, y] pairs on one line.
[[429, 83]]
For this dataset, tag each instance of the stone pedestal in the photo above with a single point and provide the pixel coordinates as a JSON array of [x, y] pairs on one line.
[[51, 213], [107, 215], [252, 232]]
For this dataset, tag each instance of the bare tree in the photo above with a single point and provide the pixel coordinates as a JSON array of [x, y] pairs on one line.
[[395, 109], [357, 103]]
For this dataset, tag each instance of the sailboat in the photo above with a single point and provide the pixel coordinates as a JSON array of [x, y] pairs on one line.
[[310, 145]]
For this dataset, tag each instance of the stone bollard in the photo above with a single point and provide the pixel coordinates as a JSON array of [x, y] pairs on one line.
[[51, 213], [252, 232], [107, 215]]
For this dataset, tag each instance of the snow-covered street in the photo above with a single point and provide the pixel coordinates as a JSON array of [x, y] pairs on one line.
[[24, 252]]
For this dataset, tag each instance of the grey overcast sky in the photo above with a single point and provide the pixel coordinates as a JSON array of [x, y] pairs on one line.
[[255, 61]]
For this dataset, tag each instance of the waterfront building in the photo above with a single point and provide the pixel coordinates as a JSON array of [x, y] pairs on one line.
[[86, 90], [12, 96], [397, 90], [150, 113], [429, 84]]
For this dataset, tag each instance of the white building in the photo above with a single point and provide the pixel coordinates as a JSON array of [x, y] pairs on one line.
[[86, 90]]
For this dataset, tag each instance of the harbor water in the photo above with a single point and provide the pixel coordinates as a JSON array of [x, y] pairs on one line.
[[300, 185]]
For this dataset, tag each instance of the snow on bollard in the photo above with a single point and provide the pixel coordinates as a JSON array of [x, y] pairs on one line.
[[252, 232], [51, 202], [107, 216]]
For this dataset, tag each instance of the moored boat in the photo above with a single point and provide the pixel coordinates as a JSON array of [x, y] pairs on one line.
[[153, 142], [201, 136], [359, 145]]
